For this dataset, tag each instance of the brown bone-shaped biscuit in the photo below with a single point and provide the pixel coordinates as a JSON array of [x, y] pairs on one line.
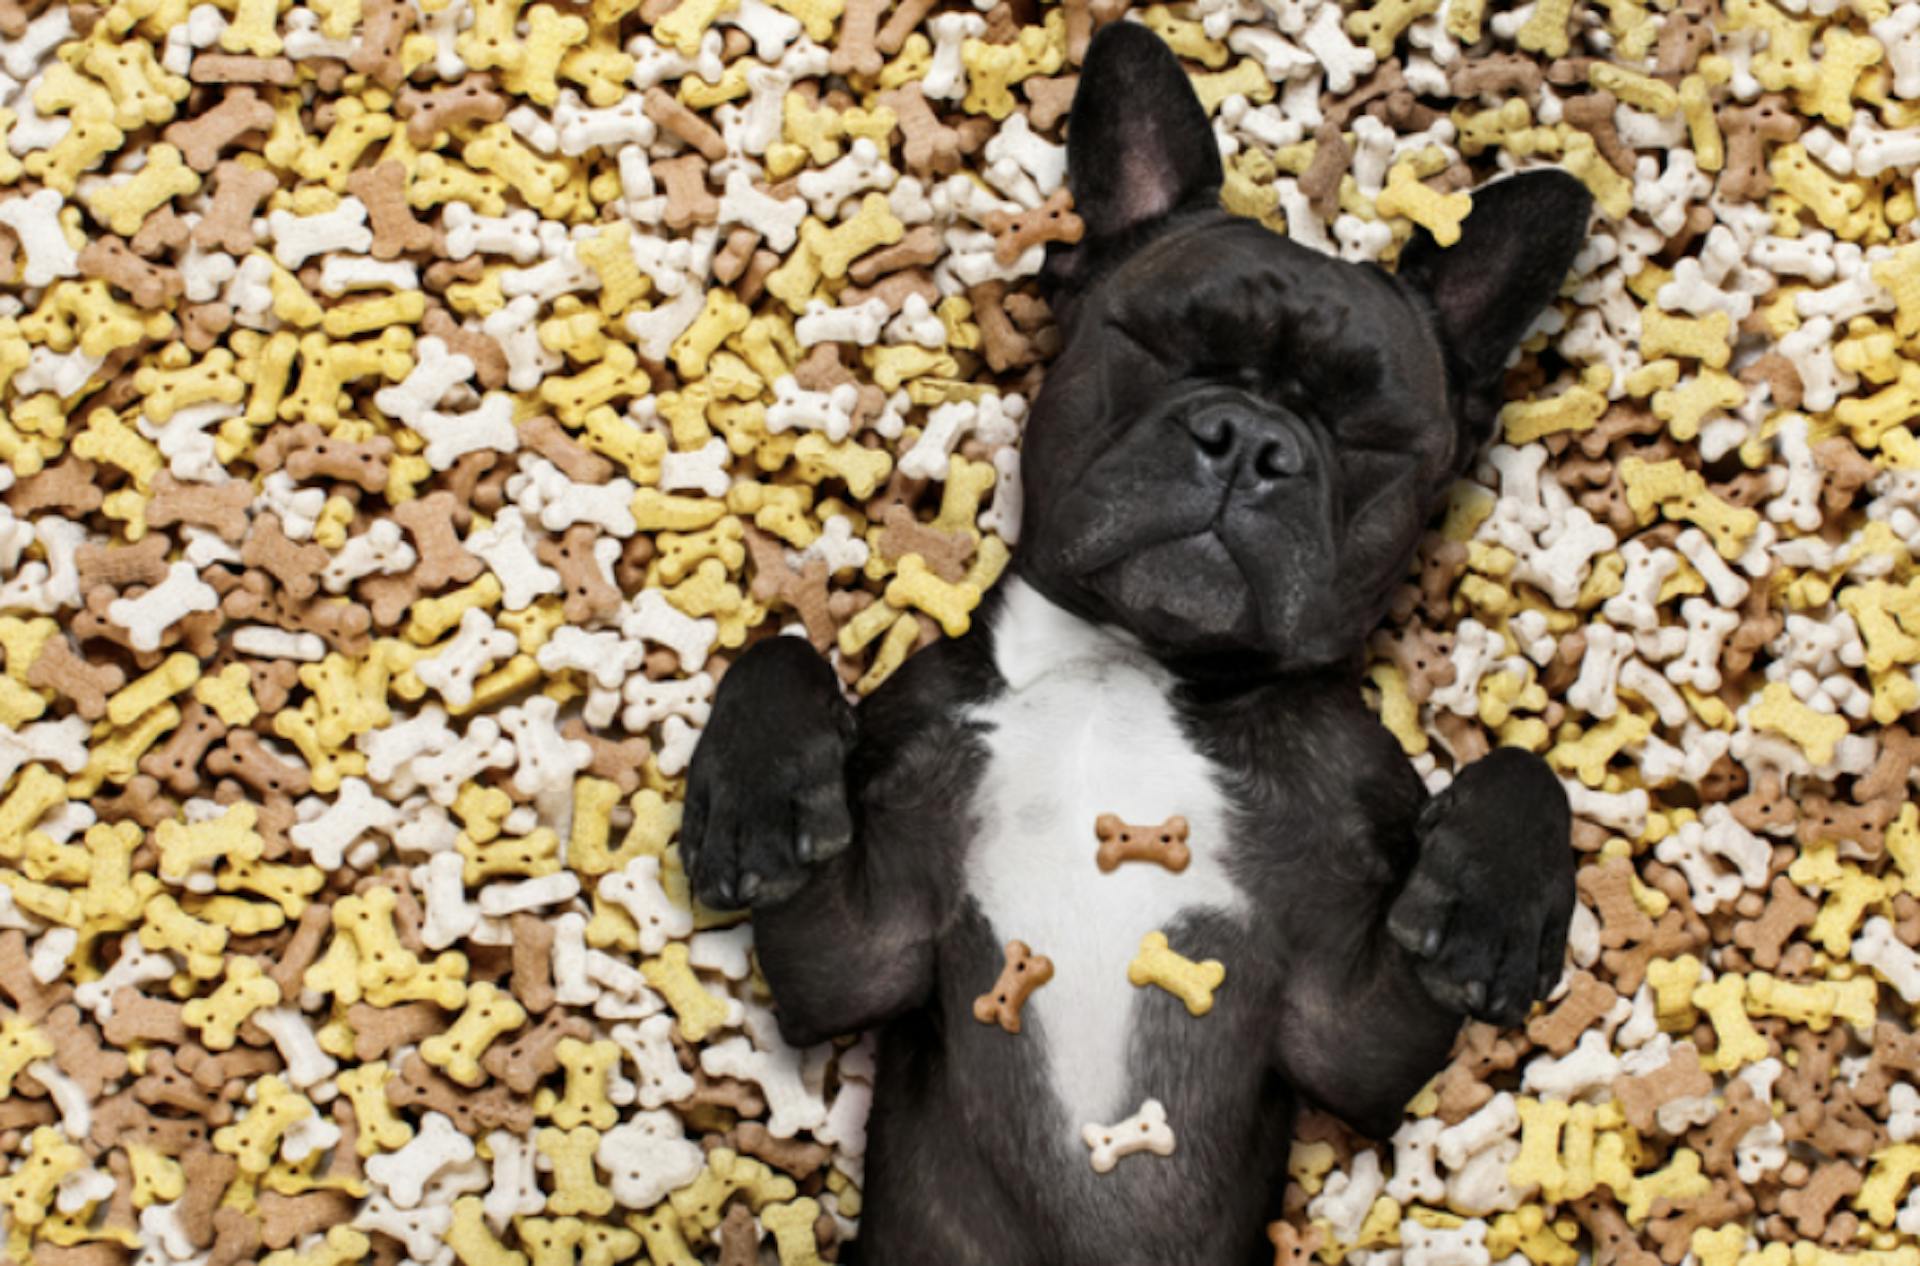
[[202, 138], [1681, 1077], [1051, 221], [472, 99], [176, 762], [1809, 1206], [1025, 971], [79, 1053], [150, 285], [208, 1173], [286, 1219], [71, 485], [213, 67], [798, 1157], [1788, 910], [82, 680], [1587, 1001], [295, 565], [237, 191], [246, 757], [139, 1017], [377, 1030], [443, 557], [221, 508], [418, 1085], [383, 30], [522, 1063], [1896, 1055], [1608, 886], [945, 553], [1004, 343], [588, 594], [384, 190], [533, 962], [1290, 1246], [1125, 842], [363, 463], [302, 950], [1740, 1112]]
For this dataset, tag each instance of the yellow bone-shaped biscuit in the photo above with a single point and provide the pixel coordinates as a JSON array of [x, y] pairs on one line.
[[873, 226], [457, 1052], [1193, 983], [186, 848], [700, 1012], [576, 1189], [255, 1139], [1782, 713], [585, 1101], [1439, 214], [916, 585], [220, 1015]]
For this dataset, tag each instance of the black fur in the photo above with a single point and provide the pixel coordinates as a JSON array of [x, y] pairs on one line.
[[1232, 460]]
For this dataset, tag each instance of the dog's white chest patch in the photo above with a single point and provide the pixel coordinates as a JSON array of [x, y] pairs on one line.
[[1086, 727]]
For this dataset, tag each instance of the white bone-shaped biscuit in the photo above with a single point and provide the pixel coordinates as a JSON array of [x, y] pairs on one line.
[[1144, 1131]]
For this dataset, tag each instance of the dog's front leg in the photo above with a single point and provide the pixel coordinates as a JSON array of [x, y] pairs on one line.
[[783, 815], [1486, 910], [1395, 947]]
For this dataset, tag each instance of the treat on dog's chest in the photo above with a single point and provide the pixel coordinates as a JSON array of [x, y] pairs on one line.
[[1145, 1131], [1125, 842], [1025, 972], [1193, 983]]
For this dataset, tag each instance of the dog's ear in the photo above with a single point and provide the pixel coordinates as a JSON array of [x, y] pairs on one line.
[[1486, 289], [1139, 146]]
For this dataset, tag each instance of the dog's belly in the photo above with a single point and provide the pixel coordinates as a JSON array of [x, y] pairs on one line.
[[1092, 733]]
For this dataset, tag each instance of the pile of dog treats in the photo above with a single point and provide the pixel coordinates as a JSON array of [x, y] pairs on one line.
[[409, 407]]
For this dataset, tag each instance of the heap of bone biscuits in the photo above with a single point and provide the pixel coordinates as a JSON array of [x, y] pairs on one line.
[[409, 407]]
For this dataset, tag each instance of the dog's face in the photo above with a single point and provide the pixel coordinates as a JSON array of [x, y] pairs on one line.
[[1242, 439]]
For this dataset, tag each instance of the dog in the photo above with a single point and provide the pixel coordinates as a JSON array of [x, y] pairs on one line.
[[1227, 472]]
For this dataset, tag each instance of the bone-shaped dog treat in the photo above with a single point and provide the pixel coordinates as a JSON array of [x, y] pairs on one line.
[[1124, 842], [1025, 972], [1193, 983], [1144, 1131]]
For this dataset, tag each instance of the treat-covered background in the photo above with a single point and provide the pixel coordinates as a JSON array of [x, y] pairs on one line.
[[409, 408]]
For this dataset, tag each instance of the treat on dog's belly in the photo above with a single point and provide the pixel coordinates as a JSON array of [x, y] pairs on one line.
[[1086, 727], [1164, 844], [1025, 972], [1145, 1131], [1193, 983]]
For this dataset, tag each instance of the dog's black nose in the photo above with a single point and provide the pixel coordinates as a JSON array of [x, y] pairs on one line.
[[1228, 432]]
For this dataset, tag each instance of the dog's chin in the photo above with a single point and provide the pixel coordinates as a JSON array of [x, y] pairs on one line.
[[1186, 595]]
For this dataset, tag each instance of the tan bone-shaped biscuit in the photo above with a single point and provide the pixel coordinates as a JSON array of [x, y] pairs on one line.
[[1126, 842], [1024, 972]]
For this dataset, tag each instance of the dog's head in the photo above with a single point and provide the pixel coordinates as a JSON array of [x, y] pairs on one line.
[[1242, 439]]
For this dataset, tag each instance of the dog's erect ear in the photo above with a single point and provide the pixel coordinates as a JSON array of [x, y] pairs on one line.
[[1514, 251], [1139, 146]]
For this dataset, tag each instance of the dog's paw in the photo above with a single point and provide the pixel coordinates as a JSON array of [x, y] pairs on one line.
[[766, 789], [1486, 910]]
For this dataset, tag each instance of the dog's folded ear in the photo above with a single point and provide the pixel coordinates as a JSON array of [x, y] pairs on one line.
[[1139, 146], [1487, 288]]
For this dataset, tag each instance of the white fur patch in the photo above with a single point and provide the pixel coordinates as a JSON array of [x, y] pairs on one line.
[[1086, 727]]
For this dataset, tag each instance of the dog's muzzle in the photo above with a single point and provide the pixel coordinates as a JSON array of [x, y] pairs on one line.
[[1247, 441]]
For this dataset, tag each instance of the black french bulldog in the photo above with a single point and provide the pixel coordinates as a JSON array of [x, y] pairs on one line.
[[1226, 474]]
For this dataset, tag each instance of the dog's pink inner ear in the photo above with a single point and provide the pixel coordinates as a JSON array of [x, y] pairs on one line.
[[1139, 146]]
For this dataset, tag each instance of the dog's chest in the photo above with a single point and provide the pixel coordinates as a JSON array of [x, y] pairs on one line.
[[1086, 728]]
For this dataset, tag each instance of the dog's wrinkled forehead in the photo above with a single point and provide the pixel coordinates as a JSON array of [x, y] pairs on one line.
[[1224, 293], [1233, 281]]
